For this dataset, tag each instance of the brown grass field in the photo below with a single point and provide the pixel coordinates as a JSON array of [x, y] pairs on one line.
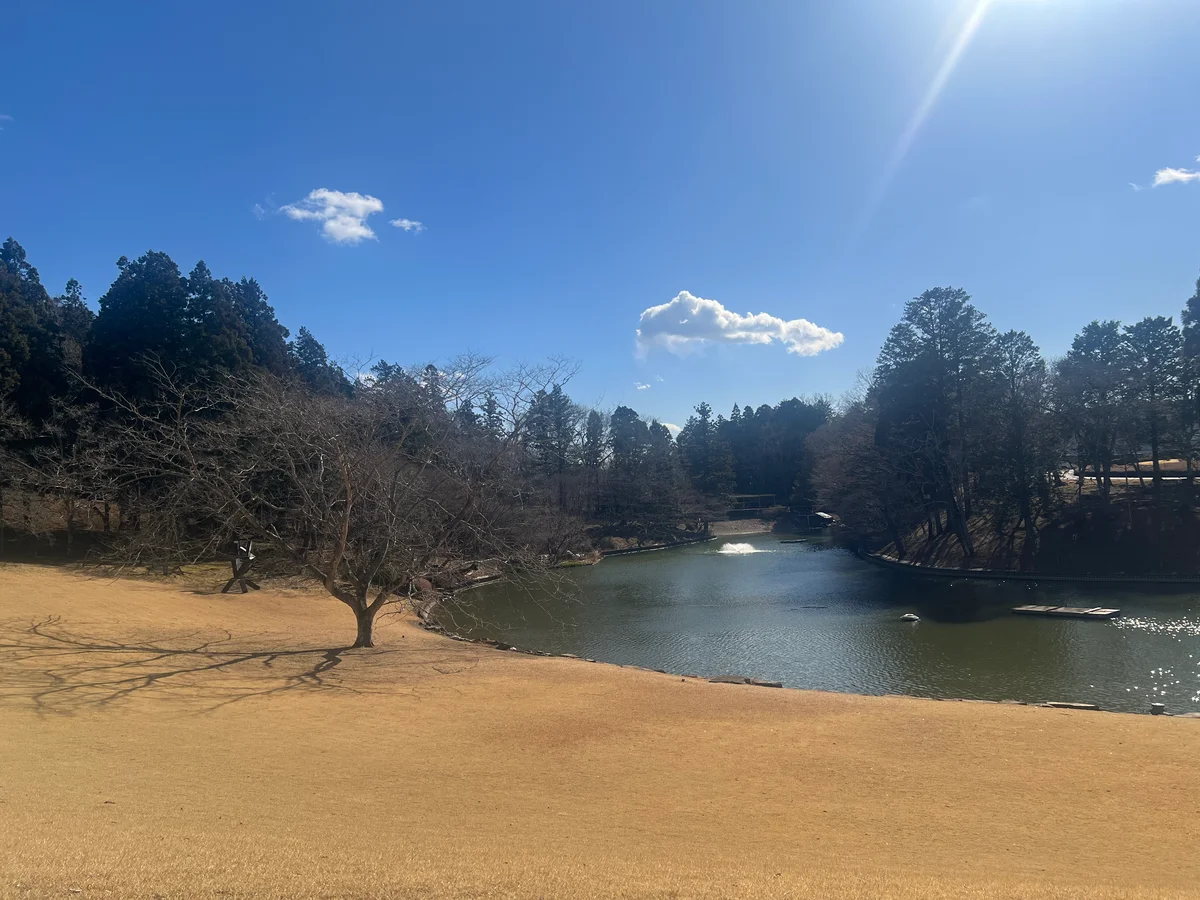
[[160, 742]]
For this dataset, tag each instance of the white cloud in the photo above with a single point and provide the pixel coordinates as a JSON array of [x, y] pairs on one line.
[[674, 429], [4, 118], [689, 322], [343, 215], [1136, 187], [641, 386], [1170, 176], [1173, 176], [408, 225]]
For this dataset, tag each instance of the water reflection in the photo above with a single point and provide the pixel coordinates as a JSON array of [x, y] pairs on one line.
[[816, 617]]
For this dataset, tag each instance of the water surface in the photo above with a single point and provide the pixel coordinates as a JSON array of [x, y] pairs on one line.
[[817, 617]]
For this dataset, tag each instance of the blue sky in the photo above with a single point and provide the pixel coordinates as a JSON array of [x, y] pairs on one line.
[[573, 165]]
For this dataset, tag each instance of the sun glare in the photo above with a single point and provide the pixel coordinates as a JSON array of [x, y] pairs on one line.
[[921, 113]]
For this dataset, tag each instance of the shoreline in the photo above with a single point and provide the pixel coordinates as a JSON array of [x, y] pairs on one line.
[[720, 529], [627, 551], [920, 569], [165, 738], [423, 620], [753, 681]]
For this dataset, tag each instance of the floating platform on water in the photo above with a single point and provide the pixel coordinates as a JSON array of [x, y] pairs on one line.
[[796, 541], [1068, 612]]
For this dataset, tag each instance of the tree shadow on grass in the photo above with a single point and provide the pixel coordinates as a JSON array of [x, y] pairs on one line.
[[57, 670]]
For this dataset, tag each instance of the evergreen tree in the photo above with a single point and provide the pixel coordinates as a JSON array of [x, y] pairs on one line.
[[34, 357], [267, 339], [493, 422], [1022, 457], [537, 432], [1089, 398], [311, 362], [1153, 375], [662, 474], [707, 454], [76, 320], [1189, 413], [217, 337], [627, 440], [21, 298], [593, 458], [143, 317], [935, 380], [195, 327]]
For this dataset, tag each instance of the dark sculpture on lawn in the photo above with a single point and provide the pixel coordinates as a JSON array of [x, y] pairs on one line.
[[242, 563]]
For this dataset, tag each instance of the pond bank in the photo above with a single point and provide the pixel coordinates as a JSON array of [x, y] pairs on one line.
[[922, 569], [158, 740], [814, 616], [434, 628], [616, 545]]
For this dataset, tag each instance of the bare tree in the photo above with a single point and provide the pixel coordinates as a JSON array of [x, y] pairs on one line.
[[12, 427], [853, 476], [62, 464], [373, 494]]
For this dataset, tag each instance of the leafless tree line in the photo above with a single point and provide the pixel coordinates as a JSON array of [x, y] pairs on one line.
[[377, 494]]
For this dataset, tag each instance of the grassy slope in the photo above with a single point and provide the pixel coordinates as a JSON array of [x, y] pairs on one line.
[[159, 742]]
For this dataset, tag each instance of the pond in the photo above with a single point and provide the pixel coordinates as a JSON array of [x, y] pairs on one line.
[[814, 616]]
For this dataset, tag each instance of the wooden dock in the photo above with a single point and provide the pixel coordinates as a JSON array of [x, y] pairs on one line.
[[1068, 612]]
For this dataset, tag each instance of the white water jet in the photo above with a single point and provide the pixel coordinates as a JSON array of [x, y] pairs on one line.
[[739, 549]]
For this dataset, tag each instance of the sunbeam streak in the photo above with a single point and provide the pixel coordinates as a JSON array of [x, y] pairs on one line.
[[924, 108]]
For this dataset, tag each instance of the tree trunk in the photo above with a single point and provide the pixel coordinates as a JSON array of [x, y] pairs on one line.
[[1029, 546], [365, 617], [1154, 452], [69, 505], [959, 526], [897, 538]]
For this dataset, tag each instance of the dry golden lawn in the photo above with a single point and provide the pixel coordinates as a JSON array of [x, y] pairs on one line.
[[156, 742]]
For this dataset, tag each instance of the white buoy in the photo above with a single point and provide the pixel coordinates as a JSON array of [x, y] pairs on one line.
[[910, 617]]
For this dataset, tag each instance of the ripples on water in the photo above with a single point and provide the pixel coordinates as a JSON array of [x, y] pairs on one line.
[[815, 617], [1174, 627], [1162, 681]]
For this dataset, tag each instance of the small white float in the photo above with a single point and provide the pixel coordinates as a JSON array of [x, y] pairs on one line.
[[910, 617]]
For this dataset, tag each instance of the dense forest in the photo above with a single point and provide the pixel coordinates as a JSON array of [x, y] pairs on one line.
[[183, 417], [58, 361], [965, 432]]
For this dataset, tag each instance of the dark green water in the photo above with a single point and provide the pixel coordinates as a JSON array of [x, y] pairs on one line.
[[816, 617]]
